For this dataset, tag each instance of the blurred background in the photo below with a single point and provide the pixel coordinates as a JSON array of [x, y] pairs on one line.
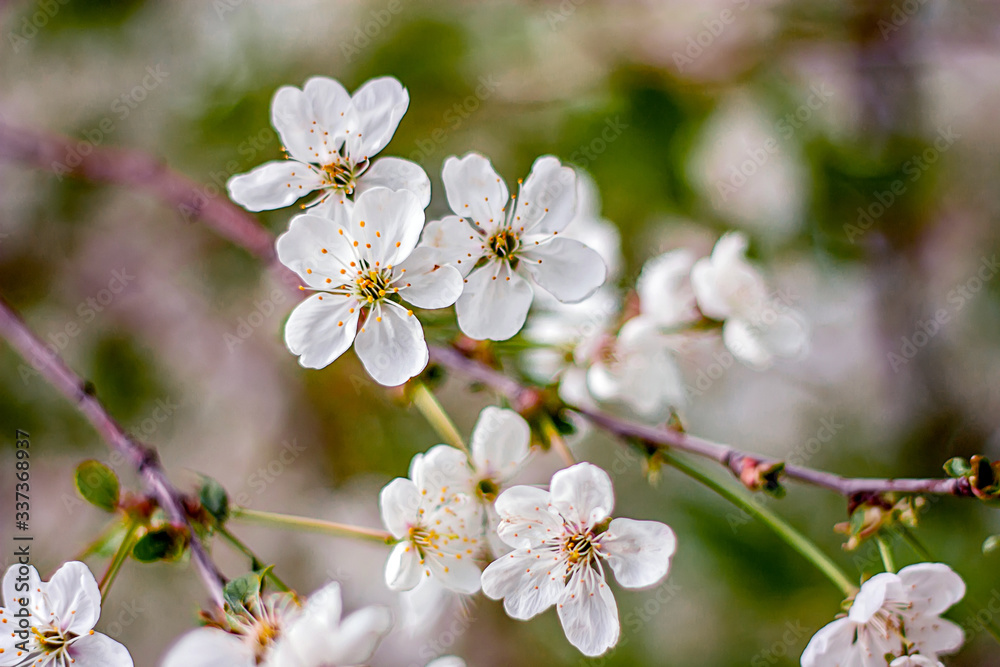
[[854, 142]]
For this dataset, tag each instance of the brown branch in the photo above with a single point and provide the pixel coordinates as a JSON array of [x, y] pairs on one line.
[[232, 222], [144, 459]]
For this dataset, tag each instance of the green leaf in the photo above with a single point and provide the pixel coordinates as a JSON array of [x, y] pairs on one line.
[[160, 544], [857, 522], [957, 467], [238, 592], [214, 499], [98, 485], [991, 545]]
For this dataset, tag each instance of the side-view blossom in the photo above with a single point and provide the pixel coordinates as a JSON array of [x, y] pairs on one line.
[[893, 615], [52, 622], [562, 540], [500, 242], [664, 289], [756, 328], [331, 138], [360, 262], [274, 631]]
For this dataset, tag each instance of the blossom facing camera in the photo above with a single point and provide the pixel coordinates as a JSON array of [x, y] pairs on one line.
[[62, 614], [894, 615], [562, 539], [499, 242], [360, 263], [331, 138]]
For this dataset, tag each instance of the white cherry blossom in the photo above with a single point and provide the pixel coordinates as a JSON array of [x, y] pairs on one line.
[[915, 661], [562, 540], [276, 632], [58, 629], [331, 138], [499, 243], [893, 614], [358, 262], [756, 328], [664, 289], [447, 661]]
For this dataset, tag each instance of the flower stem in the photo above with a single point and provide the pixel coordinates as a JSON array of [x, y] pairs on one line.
[[254, 561], [781, 528], [557, 442], [885, 551], [124, 549], [309, 525], [434, 413]]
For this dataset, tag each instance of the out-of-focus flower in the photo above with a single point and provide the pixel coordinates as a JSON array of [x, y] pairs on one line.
[[893, 615], [915, 661], [276, 632], [62, 613], [562, 539], [756, 328], [499, 242], [664, 288], [439, 526], [330, 137], [359, 262], [447, 661]]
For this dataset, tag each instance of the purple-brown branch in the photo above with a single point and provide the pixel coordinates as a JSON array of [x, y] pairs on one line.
[[235, 224], [144, 459]]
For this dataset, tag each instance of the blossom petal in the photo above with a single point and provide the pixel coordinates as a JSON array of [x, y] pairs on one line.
[[387, 223], [317, 251], [583, 494], [391, 345], [455, 242], [638, 552], [379, 104], [831, 645], [547, 202], [527, 584], [11, 594], [588, 613], [358, 637], [932, 588], [934, 635], [494, 304], [292, 115], [209, 647], [567, 269], [459, 574], [500, 442], [403, 569], [330, 106], [474, 190], [398, 503], [428, 284], [99, 650], [321, 328], [274, 184], [441, 471], [74, 597], [526, 519], [397, 174], [873, 595], [665, 293]]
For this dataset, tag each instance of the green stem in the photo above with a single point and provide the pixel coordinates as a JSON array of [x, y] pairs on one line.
[[556, 441], [432, 411], [781, 528], [124, 549], [885, 551], [309, 525], [254, 561]]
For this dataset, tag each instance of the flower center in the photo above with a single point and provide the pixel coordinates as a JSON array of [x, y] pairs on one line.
[[424, 538], [373, 285], [487, 489], [504, 243], [580, 548], [342, 174], [52, 640]]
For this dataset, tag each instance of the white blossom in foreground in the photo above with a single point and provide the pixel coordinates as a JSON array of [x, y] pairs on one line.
[[447, 661], [276, 632], [915, 661], [359, 262], [438, 526], [562, 540], [893, 615], [499, 242], [756, 328], [330, 137], [51, 623]]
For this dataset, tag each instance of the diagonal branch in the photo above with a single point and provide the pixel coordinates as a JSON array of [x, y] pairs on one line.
[[144, 459]]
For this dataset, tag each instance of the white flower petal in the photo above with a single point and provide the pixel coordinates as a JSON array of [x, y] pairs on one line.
[[873, 595], [358, 637], [321, 328], [301, 249], [831, 645], [500, 442], [547, 201], [725, 284], [379, 104], [442, 471], [914, 661], [932, 587], [330, 105], [403, 569], [567, 269], [638, 552], [455, 242], [526, 519], [11, 592], [399, 502], [934, 635], [447, 661], [396, 174], [99, 650], [209, 647], [292, 115], [427, 283], [459, 574], [528, 585], [664, 288], [740, 338], [494, 304], [583, 494], [74, 597], [474, 190], [588, 613], [391, 345], [387, 225], [273, 185]]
